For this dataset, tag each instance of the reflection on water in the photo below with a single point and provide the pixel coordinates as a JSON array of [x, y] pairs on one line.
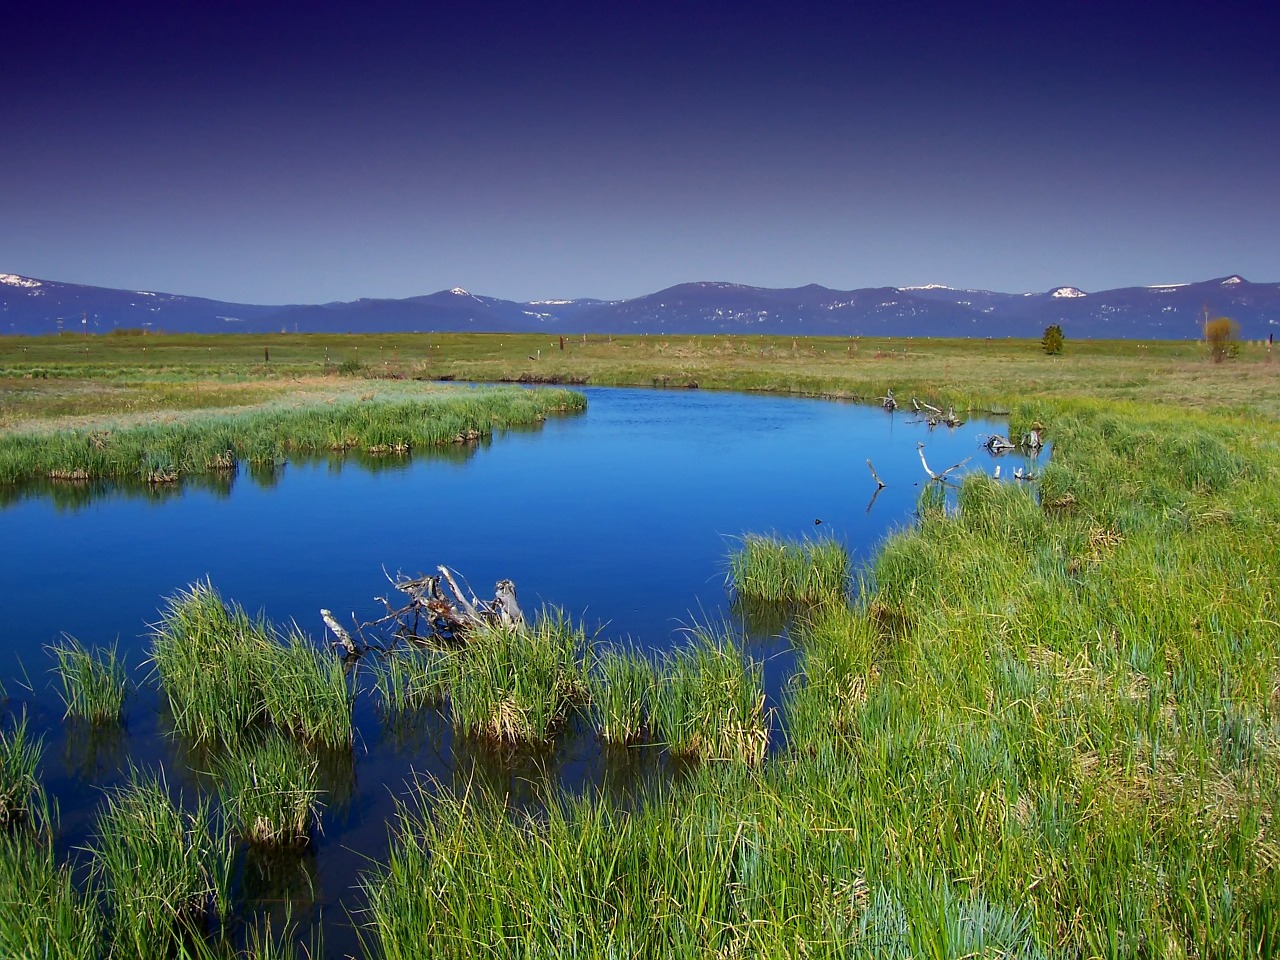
[[624, 517], [95, 751]]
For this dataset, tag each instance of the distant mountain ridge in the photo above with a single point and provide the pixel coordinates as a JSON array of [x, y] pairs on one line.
[[1174, 311]]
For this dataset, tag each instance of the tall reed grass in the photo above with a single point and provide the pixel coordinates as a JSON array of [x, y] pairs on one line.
[[164, 870], [270, 792], [94, 683], [516, 686], [708, 701], [226, 674], [19, 759], [409, 679], [807, 571], [42, 914], [202, 444], [622, 689]]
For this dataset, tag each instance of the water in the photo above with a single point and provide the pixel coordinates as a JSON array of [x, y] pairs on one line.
[[623, 516]]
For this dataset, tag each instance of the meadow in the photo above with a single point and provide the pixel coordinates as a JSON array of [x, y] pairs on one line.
[[1045, 723]]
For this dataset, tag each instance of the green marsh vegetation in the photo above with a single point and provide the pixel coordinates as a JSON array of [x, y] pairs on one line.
[[94, 683], [42, 913], [807, 572], [270, 792], [226, 675], [48, 380], [164, 870], [19, 760], [163, 453], [517, 686]]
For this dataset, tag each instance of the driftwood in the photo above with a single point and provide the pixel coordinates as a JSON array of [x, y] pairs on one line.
[[997, 444], [933, 415], [941, 475], [887, 401], [345, 641], [439, 609], [1031, 440]]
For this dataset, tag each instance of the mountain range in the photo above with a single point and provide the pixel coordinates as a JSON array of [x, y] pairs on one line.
[[1171, 311]]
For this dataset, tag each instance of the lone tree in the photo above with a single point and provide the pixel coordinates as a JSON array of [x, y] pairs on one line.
[[1052, 340], [1222, 334]]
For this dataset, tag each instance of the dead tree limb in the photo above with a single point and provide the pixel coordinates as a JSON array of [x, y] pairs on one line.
[[940, 476], [349, 646], [439, 609], [996, 444]]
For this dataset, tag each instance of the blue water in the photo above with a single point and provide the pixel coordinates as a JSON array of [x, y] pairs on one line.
[[623, 516]]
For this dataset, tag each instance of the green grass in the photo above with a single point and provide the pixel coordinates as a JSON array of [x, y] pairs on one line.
[[42, 914], [226, 675], [19, 785], [164, 870], [1045, 724], [161, 453], [807, 571], [410, 678], [708, 701], [306, 691], [622, 689], [270, 792], [94, 683], [517, 686]]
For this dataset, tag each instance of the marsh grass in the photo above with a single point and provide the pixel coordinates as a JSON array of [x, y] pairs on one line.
[[807, 571], [42, 914], [94, 683], [19, 786], [270, 792], [164, 453], [164, 870], [1046, 723], [708, 701], [409, 679], [517, 686], [227, 675], [306, 691], [621, 687], [210, 657]]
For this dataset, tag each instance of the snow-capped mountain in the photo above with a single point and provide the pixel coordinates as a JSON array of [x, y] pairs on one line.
[[1168, 311]]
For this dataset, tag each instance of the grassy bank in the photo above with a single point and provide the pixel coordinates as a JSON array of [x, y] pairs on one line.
[[159, 453]]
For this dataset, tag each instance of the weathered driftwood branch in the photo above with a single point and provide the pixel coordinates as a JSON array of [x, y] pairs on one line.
[[349, 647], [933, 415], [996, 444], [440, 609], [941, 475], [887, 400]]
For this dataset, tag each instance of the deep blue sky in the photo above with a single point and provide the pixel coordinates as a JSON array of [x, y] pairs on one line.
[[304, 152]]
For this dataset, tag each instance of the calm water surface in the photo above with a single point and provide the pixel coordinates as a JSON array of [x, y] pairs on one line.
[[623, 516]]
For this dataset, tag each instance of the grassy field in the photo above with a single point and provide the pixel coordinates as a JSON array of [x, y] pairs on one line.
[[150, 376], [1043, 726]]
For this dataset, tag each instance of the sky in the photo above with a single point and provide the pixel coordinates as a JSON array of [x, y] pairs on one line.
[[279, 152]]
